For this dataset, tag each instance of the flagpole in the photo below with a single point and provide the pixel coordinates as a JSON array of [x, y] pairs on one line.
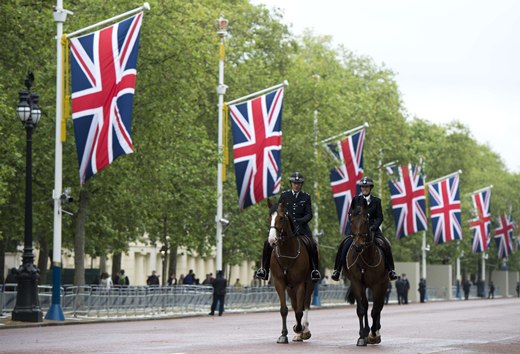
[[222, 24], [55, 311], [481, 190], [146, 6], [447, 176], [484, 255], [258, 93], [347, 132]]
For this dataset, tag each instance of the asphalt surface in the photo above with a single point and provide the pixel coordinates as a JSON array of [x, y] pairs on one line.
[[474, 326]]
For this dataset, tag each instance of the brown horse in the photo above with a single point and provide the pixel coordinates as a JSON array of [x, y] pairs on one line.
[[365, 268], [291, 271]]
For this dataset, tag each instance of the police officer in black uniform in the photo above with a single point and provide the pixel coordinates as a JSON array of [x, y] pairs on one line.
[[298, 205], [375, 220]]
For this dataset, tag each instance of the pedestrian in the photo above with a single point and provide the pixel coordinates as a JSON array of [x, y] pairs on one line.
[[172, 280], [422, 289], [189, 279], [106, 281], [518, 289], [375, 219], [237, 284], [406, 288], [491, 294], [466, 287], [11, 280], [207, 281], [219, 293], [388, 292], [153, 280], [399, 286], [299, 207], [121, 280]]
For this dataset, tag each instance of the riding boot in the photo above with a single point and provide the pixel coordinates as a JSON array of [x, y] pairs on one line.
[[340, 257], [263, 271], [315, 274], [389, 258]]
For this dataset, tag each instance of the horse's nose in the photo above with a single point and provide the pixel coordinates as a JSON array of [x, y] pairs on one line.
[[358, 248]]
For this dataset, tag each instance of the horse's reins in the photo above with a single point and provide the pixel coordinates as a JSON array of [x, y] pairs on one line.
[[282, 237], [360, 254]]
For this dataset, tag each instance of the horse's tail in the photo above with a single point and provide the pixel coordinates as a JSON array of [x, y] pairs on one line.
[[351, 299]]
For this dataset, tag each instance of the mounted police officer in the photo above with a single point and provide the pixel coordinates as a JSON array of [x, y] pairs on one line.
[[375, 213], [298, 205]]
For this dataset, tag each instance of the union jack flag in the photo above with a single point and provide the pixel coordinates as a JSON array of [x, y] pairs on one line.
[[257, 147], [103, 73], [504, 236], [480, 226], [344, 178], [408, 201], [445, 209]]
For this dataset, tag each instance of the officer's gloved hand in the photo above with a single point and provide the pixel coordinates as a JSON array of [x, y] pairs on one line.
[[373, 229]]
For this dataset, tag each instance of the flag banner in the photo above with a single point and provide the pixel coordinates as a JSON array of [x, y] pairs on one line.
[[103, 75], [445, 209], [504, 236], [480, 226], [408, 200], [257, 146], [344, 178]]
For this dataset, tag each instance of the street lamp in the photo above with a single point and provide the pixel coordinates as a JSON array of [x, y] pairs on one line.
[[27, 308]]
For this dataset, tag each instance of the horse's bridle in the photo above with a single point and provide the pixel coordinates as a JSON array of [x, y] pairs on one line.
[[281, 236], [364, 236]]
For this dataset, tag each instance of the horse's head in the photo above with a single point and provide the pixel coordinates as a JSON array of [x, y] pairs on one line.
[[358, 216], [279, 224]]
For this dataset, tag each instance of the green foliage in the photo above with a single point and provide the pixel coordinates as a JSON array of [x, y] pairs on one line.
[[167, 188]]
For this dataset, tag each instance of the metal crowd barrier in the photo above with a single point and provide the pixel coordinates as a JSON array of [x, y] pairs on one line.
[[146, 301], [139, 301]]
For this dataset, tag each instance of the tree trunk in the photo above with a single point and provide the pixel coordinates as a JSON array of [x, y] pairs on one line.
[[172, 268], [2, 259], [79, 239], [116, 264], [43, 260]]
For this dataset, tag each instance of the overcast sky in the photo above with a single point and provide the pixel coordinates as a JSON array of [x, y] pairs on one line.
[[453, 59]]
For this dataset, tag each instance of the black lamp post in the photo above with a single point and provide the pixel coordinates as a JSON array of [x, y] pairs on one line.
[[27, 308]]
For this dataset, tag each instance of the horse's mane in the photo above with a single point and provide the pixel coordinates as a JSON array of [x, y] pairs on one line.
[[358, 204]]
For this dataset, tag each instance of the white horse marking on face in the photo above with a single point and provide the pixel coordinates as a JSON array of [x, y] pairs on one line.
[[272, 231]]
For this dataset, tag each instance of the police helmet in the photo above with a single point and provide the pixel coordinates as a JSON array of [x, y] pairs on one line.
[[296, 177], [366, 181]]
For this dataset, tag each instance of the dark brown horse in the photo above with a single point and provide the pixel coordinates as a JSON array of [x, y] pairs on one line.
[[365, 268], [291, 272]]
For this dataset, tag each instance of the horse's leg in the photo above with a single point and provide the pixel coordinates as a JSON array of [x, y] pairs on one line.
[[297, 301], [379, 301], [280, 289], [362, 312]]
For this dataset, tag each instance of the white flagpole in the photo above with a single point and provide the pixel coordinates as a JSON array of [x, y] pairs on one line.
[[146, 6], [447, 176], [221, 91], [258, 93], [55, 311], [481, 190], [345, 133]]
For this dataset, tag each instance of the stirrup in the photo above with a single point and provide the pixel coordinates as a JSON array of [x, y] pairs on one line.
[[315, 275], [392, 275], [261, 274], [335, 275]]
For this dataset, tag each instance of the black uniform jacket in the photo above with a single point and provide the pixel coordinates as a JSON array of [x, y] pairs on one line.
[[299, 208], [375, 211]]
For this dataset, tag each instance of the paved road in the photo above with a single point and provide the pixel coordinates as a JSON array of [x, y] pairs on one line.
[[475, 326]]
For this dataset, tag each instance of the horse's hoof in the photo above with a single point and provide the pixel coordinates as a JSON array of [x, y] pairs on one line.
[[282, 340], [362, 342], [297, 338], [374, 339], [295, 328], [306, 334]]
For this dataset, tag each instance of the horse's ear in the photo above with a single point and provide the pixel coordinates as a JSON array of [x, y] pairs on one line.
[[269, 204]]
